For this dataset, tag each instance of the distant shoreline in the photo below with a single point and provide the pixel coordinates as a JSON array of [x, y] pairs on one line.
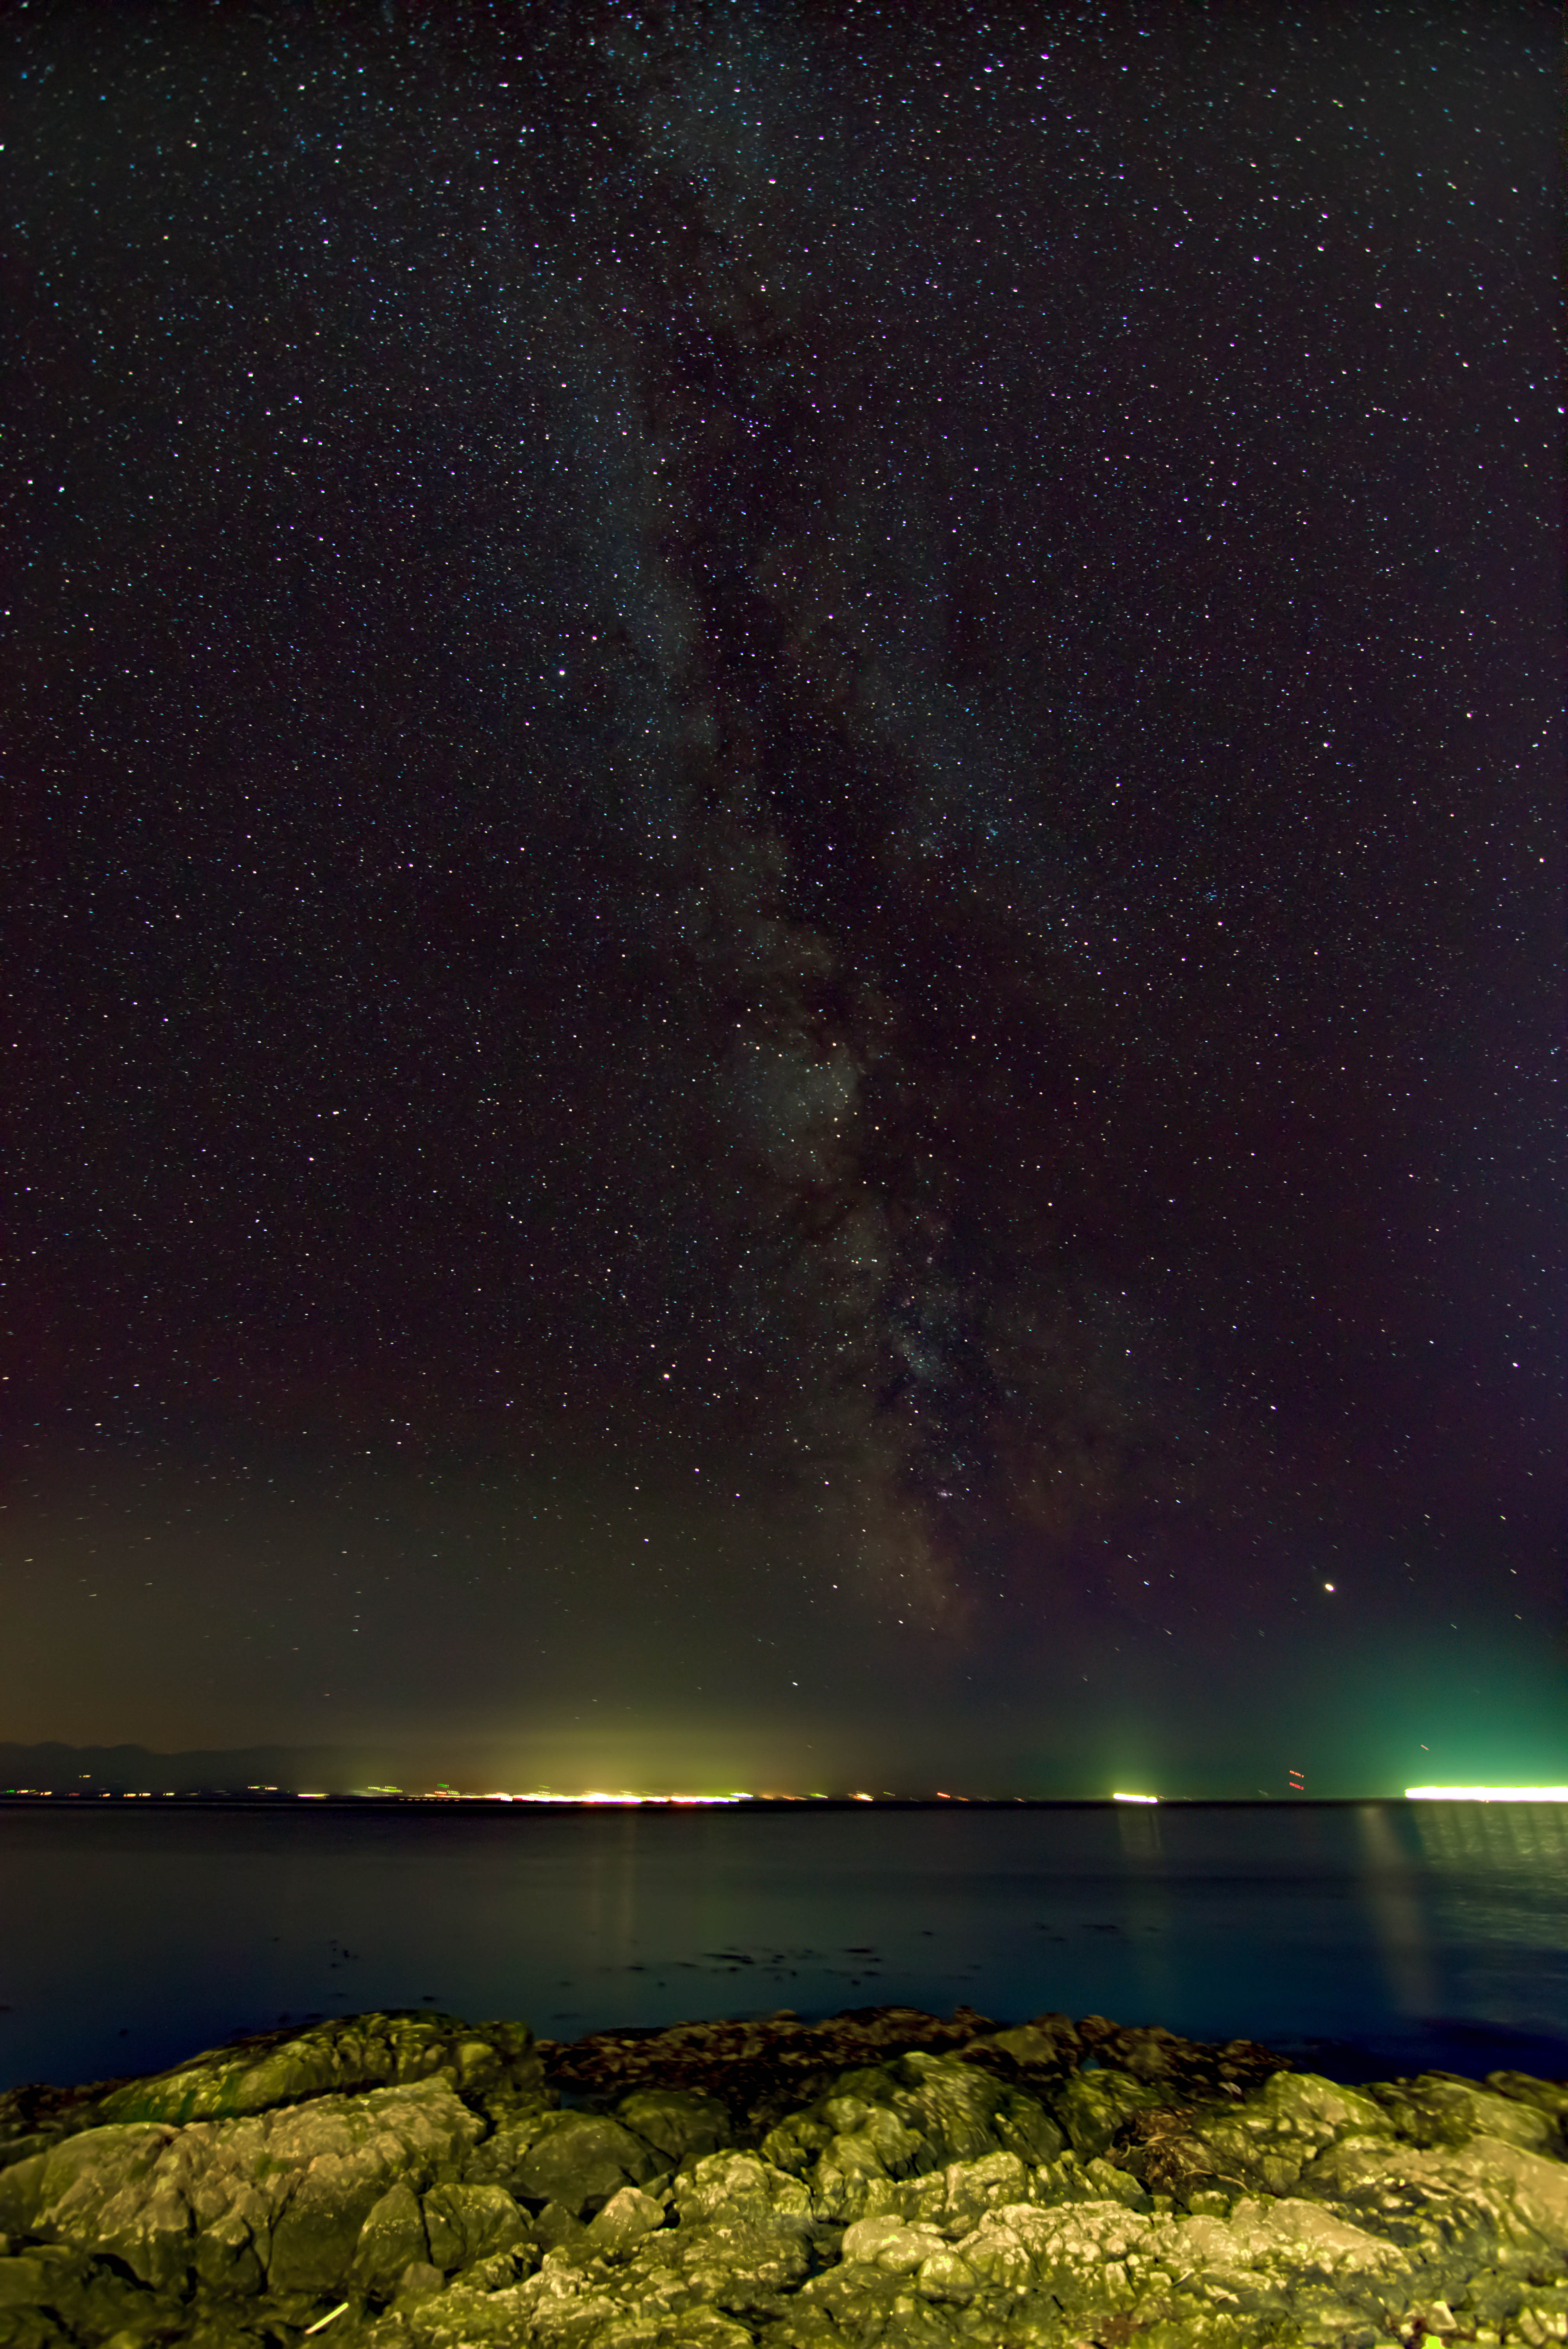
[[661, 1805]]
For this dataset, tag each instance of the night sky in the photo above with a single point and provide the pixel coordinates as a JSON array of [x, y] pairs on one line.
[[783, 951]]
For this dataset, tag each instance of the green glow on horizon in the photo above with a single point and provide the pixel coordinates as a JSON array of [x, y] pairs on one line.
[[1486, 1793]]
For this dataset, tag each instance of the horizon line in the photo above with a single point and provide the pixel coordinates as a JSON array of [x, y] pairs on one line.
[[603, 1799]]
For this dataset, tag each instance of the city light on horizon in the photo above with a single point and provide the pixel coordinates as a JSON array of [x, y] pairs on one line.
[[611, 1798], [1486, 1793]]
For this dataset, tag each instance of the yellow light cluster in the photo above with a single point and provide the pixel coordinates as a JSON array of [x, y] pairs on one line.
[[1135, 1799], [596, 1797]]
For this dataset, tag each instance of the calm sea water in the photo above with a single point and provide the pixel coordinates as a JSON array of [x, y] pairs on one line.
[[1370, 1938]]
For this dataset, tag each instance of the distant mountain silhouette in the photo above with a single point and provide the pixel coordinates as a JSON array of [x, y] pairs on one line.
[[53, 1768]]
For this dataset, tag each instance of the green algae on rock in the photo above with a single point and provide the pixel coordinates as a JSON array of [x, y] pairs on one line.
[[413, 2181]]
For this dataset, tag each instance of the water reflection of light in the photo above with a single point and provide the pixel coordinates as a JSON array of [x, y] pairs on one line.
[[1536, 1833], [1139, 1833], [1397, 1916], [1147, 1901]]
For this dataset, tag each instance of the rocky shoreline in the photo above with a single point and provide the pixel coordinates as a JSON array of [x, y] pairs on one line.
[[412, 2181]]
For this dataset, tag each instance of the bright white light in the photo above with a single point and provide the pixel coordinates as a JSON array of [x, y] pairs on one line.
[[642, 1799], [1486, 1793], [1135, 1799]]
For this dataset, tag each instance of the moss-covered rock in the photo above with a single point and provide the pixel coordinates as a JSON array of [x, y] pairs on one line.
[[465, 2224], [676, 2122], [1094, 2107], [392, 2240], [580, 2159], [1438, 2110], [359, 2052], [943, 2195], [279, 2196]]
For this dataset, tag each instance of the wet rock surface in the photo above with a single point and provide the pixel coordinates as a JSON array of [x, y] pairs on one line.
[[413, 2181]]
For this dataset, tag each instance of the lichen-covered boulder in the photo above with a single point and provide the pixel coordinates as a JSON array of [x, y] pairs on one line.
[[1435, 2111], [675, 2123], [922, 2203], [392, 2240], [883, 2123], [965, 2113], [276, 2198], [1548, 2097], [1485, 2203], [51, 2292], [1069, 2179], [568, 2304], [742, 2241], [499, 2159], [871, 2146], [624, 2221], [725, 2184], [1039, 2046], [580, 2159], [1095, 2106], [465, 2223], [1277, 2254], [344, 2056], [797, 2141], [956, 2198], [895, 2245], [1269, 2140]]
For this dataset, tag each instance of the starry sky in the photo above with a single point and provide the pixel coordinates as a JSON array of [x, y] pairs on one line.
[[784, 954]]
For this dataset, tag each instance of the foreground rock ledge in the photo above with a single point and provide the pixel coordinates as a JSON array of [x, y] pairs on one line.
[[412, 2181]]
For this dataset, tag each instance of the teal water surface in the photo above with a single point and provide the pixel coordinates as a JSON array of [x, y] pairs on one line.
[[1371, 1937]]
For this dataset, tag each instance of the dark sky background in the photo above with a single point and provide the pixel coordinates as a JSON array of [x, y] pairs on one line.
[[784, 961]]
